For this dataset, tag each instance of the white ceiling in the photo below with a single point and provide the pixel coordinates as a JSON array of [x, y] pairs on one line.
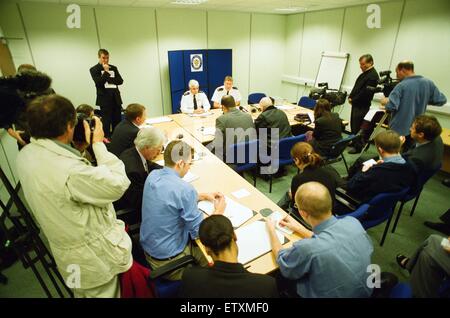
[[261, 6]]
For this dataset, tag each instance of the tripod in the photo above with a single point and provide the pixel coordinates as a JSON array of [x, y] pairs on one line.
[[26, 242]]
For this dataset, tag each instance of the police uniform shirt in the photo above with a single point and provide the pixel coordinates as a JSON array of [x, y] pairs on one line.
[[221, 91], [187, 102]]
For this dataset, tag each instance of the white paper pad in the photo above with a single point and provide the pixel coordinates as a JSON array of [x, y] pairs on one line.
[[236, 212], [311, 116], [112, 75], [158, 120], [277, 217], [189, 177], [371, 113], [253, 241], [285, 107], [208, 131], [201, 115], [239, 194]]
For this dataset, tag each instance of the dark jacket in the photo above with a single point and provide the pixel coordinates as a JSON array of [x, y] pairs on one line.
[[426, 157], [123, 137], [273, 118], [134, 168], [381, 178], [360, 95], [106, 95], [226, 280], [327, 131]]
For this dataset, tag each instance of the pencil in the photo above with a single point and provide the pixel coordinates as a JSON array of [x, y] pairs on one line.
[[202, 248]]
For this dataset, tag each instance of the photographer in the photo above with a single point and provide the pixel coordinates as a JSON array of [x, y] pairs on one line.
[[409, 99], [72, 201], [361, 97]]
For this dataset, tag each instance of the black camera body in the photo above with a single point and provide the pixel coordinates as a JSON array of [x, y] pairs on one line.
[[385, 84], [335, 97], [79, 135]]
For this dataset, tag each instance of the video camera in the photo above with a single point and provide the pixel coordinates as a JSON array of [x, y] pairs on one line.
[[335, 97], [385, 84], [79, 134], [16, 92]]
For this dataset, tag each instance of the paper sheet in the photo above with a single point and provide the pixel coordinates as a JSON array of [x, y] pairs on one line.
[[189, 177], [277, 217], [208, 131], [206, 114], [285, 107], [253, 241], [236, 212], [108, 85], [239, 194], [372, 113], [311, 116], [158, 120]]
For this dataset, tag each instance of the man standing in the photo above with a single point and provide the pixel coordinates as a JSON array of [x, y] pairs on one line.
[[194, 101], [107, 78], [360, 97], [72, 200], [226, 89], [409, 99]]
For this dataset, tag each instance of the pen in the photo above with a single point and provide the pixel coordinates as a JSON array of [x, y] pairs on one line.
[[202, 248]]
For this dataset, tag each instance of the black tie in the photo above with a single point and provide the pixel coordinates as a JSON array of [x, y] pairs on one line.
[[195, 102], [228, 92]]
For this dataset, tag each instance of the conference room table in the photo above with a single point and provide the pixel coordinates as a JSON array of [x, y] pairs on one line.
[[214, 175], [202, 126]]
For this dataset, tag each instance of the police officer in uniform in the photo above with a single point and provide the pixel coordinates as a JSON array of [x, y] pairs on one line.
[[226, 89], [194, 101]]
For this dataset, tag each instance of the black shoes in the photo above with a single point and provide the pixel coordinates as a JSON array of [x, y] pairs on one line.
[[440, 227], [354, 150], [402, 260], [446, 182]]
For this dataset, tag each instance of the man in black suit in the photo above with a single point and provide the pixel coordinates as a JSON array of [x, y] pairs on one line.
[[125, 132], [107, 78], [227, 278], [360, 97], [138, 164]]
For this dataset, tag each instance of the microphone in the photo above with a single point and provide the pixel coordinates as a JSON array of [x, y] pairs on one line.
[[243, 109]]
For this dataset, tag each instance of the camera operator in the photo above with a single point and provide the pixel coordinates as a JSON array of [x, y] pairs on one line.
[[72, 201], [409, 99], [361, 97], [83, 134]]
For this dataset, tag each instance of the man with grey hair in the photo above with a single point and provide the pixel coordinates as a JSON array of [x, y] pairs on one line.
[[138, 164], [194, 101]]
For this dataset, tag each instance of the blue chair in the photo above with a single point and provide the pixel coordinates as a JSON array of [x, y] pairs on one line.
[[254, 98], [337, 150], [401, 290], [245, 157], [284, 154], [415, 192], [307, 102], [378, 210]]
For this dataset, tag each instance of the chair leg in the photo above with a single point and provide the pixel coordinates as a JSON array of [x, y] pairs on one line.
[[386, 230], [254, 179], [345, 162], [398, 216], [270, 184], [415, 203]]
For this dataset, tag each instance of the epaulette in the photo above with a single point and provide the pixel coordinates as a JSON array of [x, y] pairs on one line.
[[201, 92], [220, 89], [234, 87], [186, 93]]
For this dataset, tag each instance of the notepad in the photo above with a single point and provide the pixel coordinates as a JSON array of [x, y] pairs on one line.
[[158, 120], [285, 107], [208, 131], [239, 194], [201, 115], [253, 241], [189, 177], [276, 216], [236, 212]]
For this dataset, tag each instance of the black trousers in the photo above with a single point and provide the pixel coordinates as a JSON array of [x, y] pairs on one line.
[[111, 116], [357, 115]]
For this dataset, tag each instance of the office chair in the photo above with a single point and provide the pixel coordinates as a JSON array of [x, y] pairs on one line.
[[307, 102], [378, 210], [336, 152], [244, 157], [284, 154], [415, 192], [254, 98]]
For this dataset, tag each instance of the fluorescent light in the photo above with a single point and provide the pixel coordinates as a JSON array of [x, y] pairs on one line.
[[291, 9], [189, 2]]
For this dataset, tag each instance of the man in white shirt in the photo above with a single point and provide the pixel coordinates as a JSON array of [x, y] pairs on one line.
[[226, 89], [194, 101]]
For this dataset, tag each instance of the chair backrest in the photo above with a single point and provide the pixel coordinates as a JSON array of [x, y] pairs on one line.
[[422, 178], [381, 207], [254, 98], [243, 153], [307, 102], [286, 145], [338, 147]]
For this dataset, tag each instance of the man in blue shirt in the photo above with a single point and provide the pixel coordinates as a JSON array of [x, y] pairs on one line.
[[331, 261], [170, 216], [409, 99]]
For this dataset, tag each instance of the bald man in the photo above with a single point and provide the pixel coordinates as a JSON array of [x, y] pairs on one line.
[[332, 260], [272, 119]]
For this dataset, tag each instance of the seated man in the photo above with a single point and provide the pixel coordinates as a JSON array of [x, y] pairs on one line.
[[272, 118], [429, 266], [232, 127], [227, 278], [390, 174], [194, 101], [332, 260], [429, 149], [138, 164], [170, 216], [226, 89], [125, 132]]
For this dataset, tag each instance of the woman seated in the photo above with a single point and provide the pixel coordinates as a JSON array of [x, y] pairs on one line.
[[327, 128], [311, 168]]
